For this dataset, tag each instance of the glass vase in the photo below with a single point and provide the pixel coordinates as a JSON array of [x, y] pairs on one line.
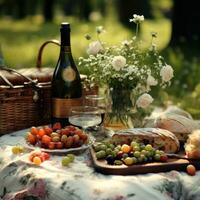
[[121, 112]]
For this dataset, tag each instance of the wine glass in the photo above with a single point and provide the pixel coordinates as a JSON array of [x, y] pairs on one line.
[[100, 102], [85, 116]]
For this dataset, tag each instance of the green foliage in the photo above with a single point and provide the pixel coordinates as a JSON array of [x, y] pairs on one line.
[[185, 62], [191, 102]]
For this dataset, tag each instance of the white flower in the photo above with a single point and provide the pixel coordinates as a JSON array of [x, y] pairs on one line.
[[100, 29], [166, 73], [151, 81], [118, 62], [137, 19], [94, 48], [144, 100], [125, 42]]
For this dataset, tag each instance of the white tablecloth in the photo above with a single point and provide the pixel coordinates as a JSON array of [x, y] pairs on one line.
[[20, 179]]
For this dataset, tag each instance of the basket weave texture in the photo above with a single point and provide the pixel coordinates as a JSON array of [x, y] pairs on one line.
[[19, 110]]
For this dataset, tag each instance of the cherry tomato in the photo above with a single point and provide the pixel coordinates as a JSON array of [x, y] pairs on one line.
[[83, 136], [45, 156], [34, 130], [41, 132], [59, 145], [46, 139], [51, 145], [191, 170], [163, 158], [31, 138]]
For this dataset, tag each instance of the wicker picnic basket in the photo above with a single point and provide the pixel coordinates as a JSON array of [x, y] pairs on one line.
[[25, 96]]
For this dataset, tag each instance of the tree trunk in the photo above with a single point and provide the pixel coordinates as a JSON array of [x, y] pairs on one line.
[[85, 9], [48, 10], [21, 10], [185, 23]]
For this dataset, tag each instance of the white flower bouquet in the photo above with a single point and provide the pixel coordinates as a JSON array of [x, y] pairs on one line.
[[127, 66]]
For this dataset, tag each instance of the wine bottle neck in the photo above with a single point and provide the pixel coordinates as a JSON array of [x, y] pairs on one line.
[[65, 40], [65, 37]]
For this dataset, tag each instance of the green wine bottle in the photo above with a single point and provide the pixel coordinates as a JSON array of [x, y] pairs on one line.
[[66, 81]]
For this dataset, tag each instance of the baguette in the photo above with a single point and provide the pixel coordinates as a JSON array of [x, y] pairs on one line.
[[159, 138]]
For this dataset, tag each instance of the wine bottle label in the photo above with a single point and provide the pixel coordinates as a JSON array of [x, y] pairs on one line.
[[68, 74], [62, 107]]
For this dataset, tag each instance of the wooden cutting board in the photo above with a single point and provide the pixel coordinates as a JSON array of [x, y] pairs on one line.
[[172, 164]]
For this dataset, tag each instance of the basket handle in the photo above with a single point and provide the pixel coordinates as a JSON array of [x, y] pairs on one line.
[[30, 81], [39, 57]]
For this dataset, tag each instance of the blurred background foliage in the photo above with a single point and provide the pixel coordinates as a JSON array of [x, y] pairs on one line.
[[25, 25]]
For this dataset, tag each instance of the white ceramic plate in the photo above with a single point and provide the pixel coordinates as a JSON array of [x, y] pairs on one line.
[[60, 151]]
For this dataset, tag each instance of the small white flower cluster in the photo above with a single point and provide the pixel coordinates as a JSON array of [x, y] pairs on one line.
[[128, 66], [137, 19]]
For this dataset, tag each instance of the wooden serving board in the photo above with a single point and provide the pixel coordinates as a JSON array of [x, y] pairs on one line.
[[172, 164]]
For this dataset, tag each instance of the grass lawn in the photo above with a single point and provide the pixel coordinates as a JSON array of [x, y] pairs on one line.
[[21, 39]]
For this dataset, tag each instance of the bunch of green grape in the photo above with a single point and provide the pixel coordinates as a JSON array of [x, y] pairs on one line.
[[130, 154]]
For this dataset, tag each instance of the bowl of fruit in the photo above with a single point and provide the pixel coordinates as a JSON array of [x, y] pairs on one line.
[[56, 139]]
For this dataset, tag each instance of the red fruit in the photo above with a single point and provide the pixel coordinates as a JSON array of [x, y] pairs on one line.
[[30, 157], [69, 142], [45, 156], [78, 132], [71, 128], [76, 138], [34, 130], [79, 143], [59, 145], [120, 154], [84, 137], [51, 145], [191, 170], [46, 139], [65, 132], [163, 158], [31, 138], [41, 132], [48, 130], [41, 158], [56, 126]]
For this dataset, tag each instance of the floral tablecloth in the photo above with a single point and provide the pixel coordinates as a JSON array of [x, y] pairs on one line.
[[22, 180]]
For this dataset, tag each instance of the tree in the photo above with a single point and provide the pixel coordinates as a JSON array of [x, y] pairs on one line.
[[85, 9], [127, 8], [185, 23]]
